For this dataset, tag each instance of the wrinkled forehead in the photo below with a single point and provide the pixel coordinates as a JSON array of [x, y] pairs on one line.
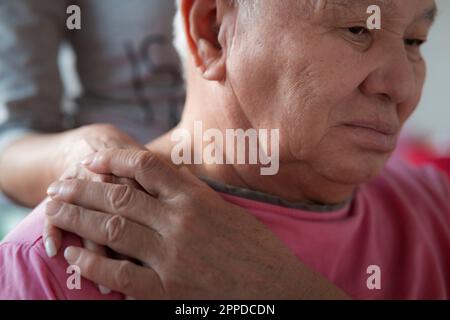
[[406, 11], [423, 9], [350, 4]]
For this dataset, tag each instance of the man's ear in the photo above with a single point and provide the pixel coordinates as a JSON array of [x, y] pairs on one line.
[[202, 25]]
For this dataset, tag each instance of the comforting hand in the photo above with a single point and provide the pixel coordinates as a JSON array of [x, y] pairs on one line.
[[74, 146], [190, 242]]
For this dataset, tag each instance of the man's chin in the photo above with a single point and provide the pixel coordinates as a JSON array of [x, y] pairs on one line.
[[357, 170]]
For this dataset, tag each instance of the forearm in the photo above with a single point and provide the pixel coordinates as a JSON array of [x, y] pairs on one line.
[[28, 166]]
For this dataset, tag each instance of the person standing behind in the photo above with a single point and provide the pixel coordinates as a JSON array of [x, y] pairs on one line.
[[129, 73]]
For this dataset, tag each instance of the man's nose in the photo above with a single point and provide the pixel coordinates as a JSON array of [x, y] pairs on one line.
[[393, 76]]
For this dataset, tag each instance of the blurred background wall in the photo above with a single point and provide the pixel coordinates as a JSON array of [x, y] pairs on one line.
[[433, 115]]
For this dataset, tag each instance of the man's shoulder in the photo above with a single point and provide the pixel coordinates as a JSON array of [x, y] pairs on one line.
[[425, 188], [423, 179], [26, 272], [29, 231]]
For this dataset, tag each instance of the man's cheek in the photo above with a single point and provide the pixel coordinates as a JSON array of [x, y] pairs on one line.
[[301, 142], [407, 108]]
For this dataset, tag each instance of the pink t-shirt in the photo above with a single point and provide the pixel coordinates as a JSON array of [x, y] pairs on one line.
[[399, 222]]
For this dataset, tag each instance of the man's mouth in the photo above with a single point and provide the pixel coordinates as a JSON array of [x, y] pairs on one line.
[[374, 135], [379, 126]]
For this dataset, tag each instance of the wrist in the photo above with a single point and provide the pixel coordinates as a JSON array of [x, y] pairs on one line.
[[59, 154], [71, 146]]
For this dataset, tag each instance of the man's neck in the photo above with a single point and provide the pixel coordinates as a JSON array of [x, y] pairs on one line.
[[295, 182]]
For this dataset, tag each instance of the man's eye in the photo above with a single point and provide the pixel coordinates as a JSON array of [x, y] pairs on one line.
[[414, 42], [358, 31]]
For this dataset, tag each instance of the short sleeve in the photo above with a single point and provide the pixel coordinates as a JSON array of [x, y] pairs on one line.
[[26, 272], [24, 275]]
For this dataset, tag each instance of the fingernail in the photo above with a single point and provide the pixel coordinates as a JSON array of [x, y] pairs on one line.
[[88, 160], [54, 189], [130, 298], [50, 247], [104, 290], [70, 254], [52, 208]]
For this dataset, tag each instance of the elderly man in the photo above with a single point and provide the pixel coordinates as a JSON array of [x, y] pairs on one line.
[[335, 221]]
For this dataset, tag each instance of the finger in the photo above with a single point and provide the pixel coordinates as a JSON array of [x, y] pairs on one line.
[[114, 231], [125, 181], [108, 178], [115, 199], [154, 175], [108, 142], [101, 251], [52, 239], [92, 246], [121, 276], [80, 172]]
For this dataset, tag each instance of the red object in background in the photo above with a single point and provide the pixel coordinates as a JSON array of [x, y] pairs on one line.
[[421, 155]]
